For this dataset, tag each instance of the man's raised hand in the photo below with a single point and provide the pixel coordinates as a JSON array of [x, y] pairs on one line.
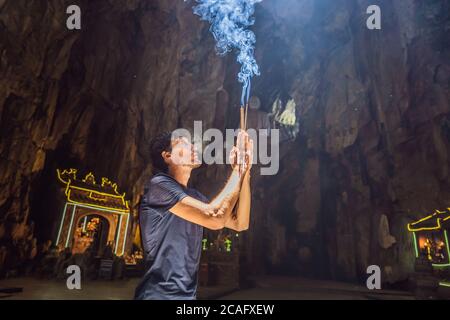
[[241, 156]]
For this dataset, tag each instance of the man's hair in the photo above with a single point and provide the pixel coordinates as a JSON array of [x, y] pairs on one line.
[[160, 143]]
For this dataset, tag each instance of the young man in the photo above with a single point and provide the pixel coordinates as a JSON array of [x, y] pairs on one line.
[[172, 216]]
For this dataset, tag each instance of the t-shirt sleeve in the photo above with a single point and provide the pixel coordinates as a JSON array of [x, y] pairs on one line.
[[200, 196], [164, 192]]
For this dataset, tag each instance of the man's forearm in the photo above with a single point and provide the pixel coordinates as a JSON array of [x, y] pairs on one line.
[[241, 220], [229, 193], [223, 203], [228, 204]]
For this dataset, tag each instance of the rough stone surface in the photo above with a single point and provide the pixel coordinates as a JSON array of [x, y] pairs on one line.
[[373, 107]]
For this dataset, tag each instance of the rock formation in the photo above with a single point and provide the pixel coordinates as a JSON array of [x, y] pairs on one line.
[[372, 108]]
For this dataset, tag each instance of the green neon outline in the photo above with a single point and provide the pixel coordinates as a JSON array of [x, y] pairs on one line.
[[70, 227], [84, 223], [444, 284], [93, 208], [100, 209], [118, 235], [61, 224], [415, 244], [126, 233]]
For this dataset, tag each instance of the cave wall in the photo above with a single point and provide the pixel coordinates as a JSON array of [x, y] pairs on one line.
[[373, 109], [92, 99]]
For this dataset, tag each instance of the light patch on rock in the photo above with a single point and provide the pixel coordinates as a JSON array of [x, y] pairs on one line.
[[385, 239]]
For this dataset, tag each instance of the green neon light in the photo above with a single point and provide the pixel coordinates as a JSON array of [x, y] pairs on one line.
[[126, 233], [440, 265], [100, 209], [228, 245], [62, 222], [118, 234], [84, 223], [446, 243], [93, 208], [444, 284], [415, 245], [70, 227]]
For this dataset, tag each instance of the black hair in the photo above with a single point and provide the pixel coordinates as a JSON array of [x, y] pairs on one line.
[[160, 143]]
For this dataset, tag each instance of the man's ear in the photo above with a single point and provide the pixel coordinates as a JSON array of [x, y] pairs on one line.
[[166, 156]]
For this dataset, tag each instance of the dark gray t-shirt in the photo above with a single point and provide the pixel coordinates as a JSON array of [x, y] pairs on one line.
[[172, 245]]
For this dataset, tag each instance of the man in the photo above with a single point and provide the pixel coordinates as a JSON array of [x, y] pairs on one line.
[[172, 216]]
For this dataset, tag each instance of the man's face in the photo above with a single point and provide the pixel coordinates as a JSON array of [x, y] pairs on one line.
[[184, 153]]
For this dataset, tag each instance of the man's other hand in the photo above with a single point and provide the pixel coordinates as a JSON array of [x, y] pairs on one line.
[[242, 153]]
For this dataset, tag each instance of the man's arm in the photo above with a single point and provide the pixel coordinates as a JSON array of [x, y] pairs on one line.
[[210, 215], [241, 220], [226, 199], [218, 213], [197, 212]]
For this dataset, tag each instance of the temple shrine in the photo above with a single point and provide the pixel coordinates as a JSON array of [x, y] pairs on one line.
[[95, 215]]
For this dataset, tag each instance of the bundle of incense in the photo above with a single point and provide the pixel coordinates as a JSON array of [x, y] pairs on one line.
[[243, 127]]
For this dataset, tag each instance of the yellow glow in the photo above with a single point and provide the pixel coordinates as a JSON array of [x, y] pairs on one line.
[[448, 252], [99, 192], [438, 222], [68, 178], [89, 178], [92, 194], [137, 237], [422, 242], [427, 245], [426, 228], [98, 206], [71, 172], [93, 197], [106, 182]]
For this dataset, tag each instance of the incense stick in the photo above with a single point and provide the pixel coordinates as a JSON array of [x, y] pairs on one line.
[[243, 127], [246, 113], [242, 118]]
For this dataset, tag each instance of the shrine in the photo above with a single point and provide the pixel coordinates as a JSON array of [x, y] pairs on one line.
[[431, 239], [95, 215]]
